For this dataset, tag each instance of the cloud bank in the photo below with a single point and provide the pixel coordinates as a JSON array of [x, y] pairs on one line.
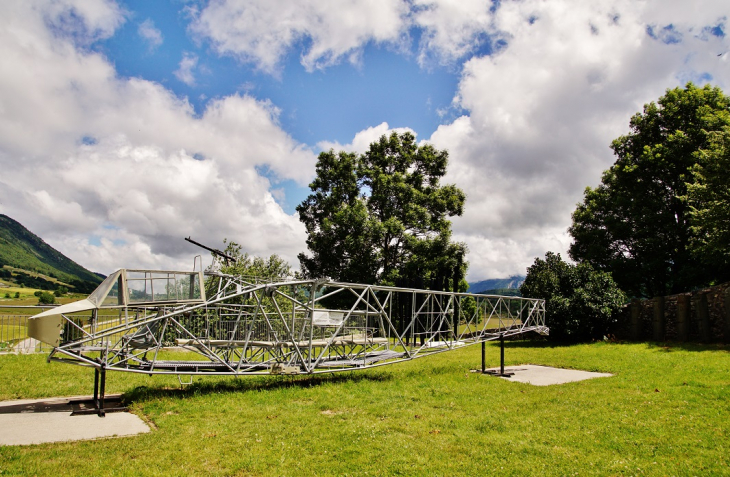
[[85, 153], [115, 171]]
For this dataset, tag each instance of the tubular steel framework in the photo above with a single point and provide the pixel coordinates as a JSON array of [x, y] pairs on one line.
[[213, 324]]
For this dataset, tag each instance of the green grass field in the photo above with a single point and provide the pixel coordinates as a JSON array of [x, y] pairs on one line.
[[665, 412]]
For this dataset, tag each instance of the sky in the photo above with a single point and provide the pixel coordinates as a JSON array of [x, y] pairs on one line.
[[127, 126]]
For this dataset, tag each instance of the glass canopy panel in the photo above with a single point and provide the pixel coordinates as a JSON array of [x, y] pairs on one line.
[[98, 296], [114, 298], [157, 287], [139, 285]]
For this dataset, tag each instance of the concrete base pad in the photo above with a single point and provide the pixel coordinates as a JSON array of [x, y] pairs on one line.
[[545, 375], [39, 421]]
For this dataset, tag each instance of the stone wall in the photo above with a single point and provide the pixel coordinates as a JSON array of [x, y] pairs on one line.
[[700, 316]]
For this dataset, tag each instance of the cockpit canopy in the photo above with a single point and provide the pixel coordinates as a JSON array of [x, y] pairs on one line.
[[123, 288], [147, 287]]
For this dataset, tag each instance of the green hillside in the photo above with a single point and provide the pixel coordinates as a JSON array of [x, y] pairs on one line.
[[22, 249]]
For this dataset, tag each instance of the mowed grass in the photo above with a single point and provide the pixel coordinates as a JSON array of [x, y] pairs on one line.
[[665, 412]]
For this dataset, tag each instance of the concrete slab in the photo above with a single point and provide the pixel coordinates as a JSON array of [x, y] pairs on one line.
[[546, 375], [38, 421]]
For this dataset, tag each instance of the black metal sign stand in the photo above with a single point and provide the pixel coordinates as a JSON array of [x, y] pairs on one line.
[[501, 359]]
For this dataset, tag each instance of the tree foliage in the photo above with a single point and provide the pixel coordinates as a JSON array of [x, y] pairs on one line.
[[580, 303], [60, 291], [709, 199], [636, 223], [273, 268], [383, 217], [46, 298]]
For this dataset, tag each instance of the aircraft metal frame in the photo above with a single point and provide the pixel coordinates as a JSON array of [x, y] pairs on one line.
[[239, 327]]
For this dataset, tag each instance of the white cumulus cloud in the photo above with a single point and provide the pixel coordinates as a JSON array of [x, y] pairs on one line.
[[150, 34], [185, 69], [87, 153], [114, 171], [362, 140], [541, 114], [263, 31]]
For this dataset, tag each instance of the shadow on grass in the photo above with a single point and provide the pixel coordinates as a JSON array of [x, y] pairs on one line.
[[669, 346], [533, 343], [666, 346], [246, 384]]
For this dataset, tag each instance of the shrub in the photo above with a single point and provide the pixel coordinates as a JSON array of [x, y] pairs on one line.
[[581, 303], [46, 298], [17, 294], [7, 295]]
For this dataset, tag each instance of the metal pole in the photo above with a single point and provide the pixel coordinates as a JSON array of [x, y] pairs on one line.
[[101, 392], [501, 354], [96, 387], [501, 359], [484, 359]]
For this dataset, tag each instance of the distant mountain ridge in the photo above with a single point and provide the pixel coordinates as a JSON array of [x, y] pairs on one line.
[[511, 283], [21, 248]]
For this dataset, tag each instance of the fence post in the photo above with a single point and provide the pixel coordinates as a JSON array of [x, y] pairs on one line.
[[684, 308], [703, 315], [658, 321], [635, 331]]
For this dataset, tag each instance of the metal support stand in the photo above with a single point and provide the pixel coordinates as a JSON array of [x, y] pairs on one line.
[[501, 360], [97, 403], [484, 359], [99, 390]]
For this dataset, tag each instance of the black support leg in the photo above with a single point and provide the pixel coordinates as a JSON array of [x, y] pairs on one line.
[[97, 405], [501, 356], [102, 390], [484, 358], [501, 360], [96, 387]]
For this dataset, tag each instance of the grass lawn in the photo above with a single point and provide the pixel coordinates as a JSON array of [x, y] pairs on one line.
[[665, 412], [27, 298]]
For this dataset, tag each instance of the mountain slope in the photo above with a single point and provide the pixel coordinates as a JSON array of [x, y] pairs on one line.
[[513, 282], [21, 248]]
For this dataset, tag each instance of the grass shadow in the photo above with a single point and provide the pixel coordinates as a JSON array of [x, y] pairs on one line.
[[244, 384], [669, 346], [534, 343]]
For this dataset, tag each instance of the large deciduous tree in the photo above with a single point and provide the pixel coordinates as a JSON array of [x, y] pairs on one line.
[[636, 223], [383, 217], [709, 199]]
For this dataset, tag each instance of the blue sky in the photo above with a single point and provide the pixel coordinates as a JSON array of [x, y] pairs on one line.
[[332, 104], [126, 126], [388, 85]]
